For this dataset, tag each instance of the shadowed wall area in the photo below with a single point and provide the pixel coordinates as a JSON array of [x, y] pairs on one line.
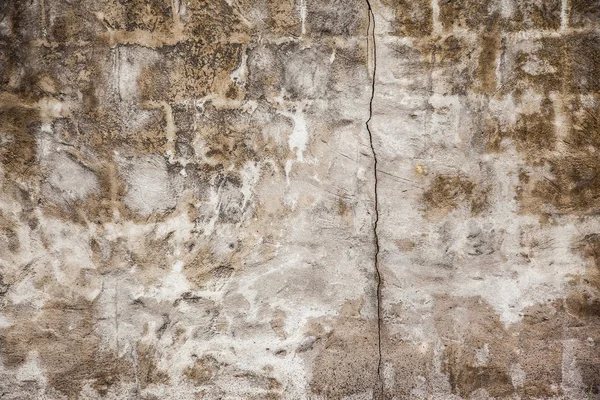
[[300, 199]]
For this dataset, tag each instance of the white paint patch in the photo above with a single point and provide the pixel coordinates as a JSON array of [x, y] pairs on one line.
[[288, 169], [51, 109], [128, 65], [536, 66]]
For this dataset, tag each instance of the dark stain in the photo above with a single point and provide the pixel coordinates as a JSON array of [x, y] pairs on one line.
[[534, 15], [574, 187], [214, 21], [536, 132], [472, 14], [151, 15], [550, 54], [346, 18], [346, 362], [488, 57], [411, 18], [584, 13], [446, 192], [202, 371], [584, 50], [18, 152], [63, 334], [148, 371], [519, 346]]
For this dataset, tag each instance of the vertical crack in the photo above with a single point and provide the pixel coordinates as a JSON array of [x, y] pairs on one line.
[[372, 52]]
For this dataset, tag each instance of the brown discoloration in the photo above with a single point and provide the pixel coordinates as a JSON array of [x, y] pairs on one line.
[[488, 58], [346, 362], [411, 18], [589, 248], [472, 14], [537, 65], [535, 15], [584, 51], [207, 369], [571, 186], [190, 68], [535, 133], [19, 125], [583, 305], [283, 17], [278, 324], [148, 372], [503, 351], [446, 192], [205, 267], [584, 13], [63, 336], [9, 239], [405, 245], [336, 18], [202, 371]]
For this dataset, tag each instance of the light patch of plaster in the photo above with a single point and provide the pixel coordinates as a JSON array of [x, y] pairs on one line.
[[482, 355], [172, 285], [149, 187], [517, 375], [73, 181]]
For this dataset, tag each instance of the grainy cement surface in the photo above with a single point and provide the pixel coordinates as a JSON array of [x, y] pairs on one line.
[[190, 209]]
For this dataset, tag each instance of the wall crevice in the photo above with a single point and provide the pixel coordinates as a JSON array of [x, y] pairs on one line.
[[372, 52]]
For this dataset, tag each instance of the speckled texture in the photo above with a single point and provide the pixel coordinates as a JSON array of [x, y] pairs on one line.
[[190, 209]]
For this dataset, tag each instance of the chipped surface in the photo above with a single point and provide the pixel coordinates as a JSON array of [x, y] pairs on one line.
[[299, 199]]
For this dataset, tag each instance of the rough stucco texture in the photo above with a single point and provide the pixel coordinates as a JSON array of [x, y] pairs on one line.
[[300, 199]]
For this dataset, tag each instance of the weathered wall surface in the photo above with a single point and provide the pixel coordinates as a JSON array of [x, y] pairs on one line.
[[190, 208]]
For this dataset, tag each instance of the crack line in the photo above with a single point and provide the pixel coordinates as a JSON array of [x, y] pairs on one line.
[[373, 53]]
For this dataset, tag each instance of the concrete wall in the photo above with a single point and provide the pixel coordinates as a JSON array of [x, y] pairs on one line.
[[300, 199]]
